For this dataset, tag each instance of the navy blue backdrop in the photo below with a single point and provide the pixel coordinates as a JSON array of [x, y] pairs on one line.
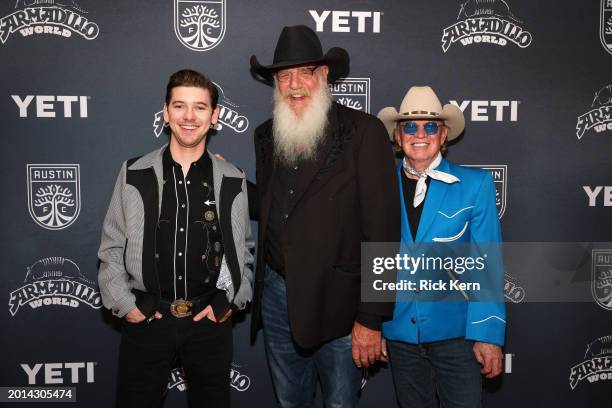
[[82, 87]]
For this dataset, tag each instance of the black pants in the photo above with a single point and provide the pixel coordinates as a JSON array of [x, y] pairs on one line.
[[148, 351]]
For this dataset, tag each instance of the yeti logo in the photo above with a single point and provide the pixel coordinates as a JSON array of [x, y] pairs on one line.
[[500, 176], [601, 277], [597, 364], [228, 116], [352, 92], [61, 18], [486, 21], [199, 25], [54, 194], [600, 116], [605, 25], [54, 281]]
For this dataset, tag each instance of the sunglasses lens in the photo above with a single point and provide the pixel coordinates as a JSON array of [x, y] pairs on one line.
[[410, 128], [431, 128]]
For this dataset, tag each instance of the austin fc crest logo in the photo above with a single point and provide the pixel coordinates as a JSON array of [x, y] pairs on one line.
[[54, 194], [352, 92], [605, 25], [601, 277], [500, 175], [199, 25]]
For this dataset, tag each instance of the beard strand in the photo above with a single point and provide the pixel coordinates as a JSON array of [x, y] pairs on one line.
[[296, 138]]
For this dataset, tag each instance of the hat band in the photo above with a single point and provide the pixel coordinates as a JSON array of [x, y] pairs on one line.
[[421, 113]]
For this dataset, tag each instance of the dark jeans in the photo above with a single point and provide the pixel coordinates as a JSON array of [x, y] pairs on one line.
[[447, 368], [149, 350], [294, 369]]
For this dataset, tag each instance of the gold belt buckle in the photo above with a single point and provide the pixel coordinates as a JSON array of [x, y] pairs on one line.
[[181, 308]]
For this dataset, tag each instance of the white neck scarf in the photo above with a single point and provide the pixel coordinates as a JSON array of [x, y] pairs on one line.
[[421, 187]]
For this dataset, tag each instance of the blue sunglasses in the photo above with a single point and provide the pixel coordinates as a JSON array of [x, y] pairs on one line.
[[410, 128]]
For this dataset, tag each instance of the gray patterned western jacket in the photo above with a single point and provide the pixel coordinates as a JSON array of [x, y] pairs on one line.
[[127, 247]]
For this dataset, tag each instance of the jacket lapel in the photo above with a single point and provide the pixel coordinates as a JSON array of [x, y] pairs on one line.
[[434, 199], [153, 160], [217, 180], [265, 175], [406, 232]]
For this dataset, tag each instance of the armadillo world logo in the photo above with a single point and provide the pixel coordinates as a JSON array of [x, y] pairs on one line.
[[597, 364], [513, 291], [599, 117], [55, 17], [54, 281], [238, 381], [486, 21]]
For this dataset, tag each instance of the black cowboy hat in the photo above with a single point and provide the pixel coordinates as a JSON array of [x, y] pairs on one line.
[[299, 45]]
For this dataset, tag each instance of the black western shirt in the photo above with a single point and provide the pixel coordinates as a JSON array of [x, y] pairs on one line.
[[283, 194], [189, 249], [414, 213]]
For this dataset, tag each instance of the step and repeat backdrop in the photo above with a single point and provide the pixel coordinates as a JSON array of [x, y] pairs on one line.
[[82, 90]]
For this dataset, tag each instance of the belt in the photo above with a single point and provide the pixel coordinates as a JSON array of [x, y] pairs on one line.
[[184, 308]]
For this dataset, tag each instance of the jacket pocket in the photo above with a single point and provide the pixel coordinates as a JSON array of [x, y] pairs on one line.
[[453, 237], [343, 292]]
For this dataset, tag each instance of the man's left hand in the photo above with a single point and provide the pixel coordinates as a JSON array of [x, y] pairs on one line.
[[226, 315], [366, 345], [489, 356], [210, 315]]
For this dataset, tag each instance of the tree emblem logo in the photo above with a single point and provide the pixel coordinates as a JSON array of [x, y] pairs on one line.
[[601, 277], [54, 196], [199, 25], [352, 92], [605, 25], [499, 172]]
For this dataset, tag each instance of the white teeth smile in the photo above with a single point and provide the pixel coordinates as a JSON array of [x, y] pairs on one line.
[[420, 144], [188, 127]]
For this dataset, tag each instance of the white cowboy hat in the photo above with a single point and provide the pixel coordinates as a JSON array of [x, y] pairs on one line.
[[421, 102]]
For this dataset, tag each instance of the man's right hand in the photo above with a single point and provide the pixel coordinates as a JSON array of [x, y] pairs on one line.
[[136, 316]]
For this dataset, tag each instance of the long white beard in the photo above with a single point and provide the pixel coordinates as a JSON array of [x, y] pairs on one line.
[[296, 137]]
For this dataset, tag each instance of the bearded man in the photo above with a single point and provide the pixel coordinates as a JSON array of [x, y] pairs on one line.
[[324, 186]]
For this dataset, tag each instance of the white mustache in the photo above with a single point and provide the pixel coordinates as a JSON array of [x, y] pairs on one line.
[[296, 92]]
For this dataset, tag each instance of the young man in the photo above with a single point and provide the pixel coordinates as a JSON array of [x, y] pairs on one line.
[[175, 256]]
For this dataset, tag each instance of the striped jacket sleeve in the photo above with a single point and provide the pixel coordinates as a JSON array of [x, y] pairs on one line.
[[113, 278]]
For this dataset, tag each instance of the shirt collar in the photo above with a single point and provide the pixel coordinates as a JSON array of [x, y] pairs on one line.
[[168, 161]]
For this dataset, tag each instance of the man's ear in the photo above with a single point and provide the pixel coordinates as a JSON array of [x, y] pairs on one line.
[[215, 115], [166, 115], [443, 134], [397, 136], [324, 71]]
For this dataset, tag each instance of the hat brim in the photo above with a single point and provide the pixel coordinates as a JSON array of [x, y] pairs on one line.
[[336, 58], [451, 115]]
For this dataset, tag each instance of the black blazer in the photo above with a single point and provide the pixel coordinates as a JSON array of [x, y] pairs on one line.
[[349, 194]]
